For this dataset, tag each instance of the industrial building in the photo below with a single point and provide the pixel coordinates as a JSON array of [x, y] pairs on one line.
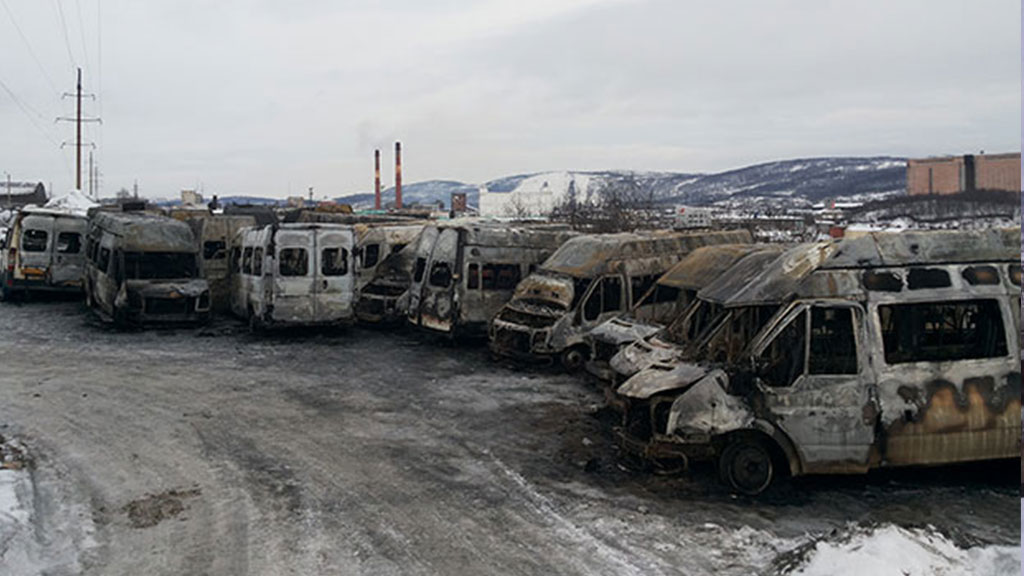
[[956, 174]]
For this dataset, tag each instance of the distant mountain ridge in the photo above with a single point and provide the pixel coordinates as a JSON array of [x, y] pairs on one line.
[[804, 181]]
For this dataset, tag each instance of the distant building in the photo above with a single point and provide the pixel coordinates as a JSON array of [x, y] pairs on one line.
[[956, 174], [191, 198], [22, 194], [458, 203], [693, 217]]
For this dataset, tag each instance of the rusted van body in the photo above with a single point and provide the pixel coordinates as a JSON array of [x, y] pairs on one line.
[[142, 268], [895, 350], [589, 280], [44, 252], [385, 298], [215, 236], [298, 274], [673, 293], [464, 273]]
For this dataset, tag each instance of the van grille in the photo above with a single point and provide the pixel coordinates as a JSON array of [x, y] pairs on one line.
[[512, 340], [168, 306]]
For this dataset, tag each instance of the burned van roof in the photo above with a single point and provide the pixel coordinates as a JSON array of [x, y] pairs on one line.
[[705, 264], [881, 249], [731, 283], [594, 254], [480, 233], [146, 232]]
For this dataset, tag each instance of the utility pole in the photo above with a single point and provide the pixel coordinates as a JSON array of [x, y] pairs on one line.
[[92, 181], [9, 202], [78, 128]]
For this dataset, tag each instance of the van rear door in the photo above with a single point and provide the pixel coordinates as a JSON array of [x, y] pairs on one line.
[[424, 247], [68, 254], [334, 288], [437, 305], [35, 247], [295, 279]]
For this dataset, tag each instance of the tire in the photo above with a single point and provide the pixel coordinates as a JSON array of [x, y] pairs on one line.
[[255, 325], [746, 465], [573, 358]]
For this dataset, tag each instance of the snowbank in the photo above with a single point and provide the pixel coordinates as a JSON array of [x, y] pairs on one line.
[[892, 550], [74, 201]]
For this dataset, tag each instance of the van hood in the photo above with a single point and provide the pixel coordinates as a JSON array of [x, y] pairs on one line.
[[661, 378], [641, 354], [621, 331], [545, 290]]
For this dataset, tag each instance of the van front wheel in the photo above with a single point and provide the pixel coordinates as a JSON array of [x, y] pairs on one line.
[[746, 466], [573, 358]]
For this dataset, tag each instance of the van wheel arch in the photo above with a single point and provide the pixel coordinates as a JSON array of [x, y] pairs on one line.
[[751, 461]]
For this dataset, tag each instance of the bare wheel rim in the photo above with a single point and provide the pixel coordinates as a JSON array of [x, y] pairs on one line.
[[750, 468]]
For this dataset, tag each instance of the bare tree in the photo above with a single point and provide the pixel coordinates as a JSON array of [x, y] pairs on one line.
[[619, 204]]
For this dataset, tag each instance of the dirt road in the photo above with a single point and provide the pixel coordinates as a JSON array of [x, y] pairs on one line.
[[210, 451]]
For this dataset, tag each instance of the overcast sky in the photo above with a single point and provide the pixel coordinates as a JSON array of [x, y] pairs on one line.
[[265, 97]]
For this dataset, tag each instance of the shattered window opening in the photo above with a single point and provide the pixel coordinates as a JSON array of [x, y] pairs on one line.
[[396, 248], [942, 331], [441, 275], [784, 359], [292, 262], [69, 243], [247, 260], [882, 281], [639, 286], [981, 275], [159, 265], [236, 259], [371, 255], [333, 262], [922, 278], [421, 266], [34, 241], [104, 260], [473, 277], [579, 288], [214, 250], [606, 297], [499, 276], [1015, 274], [257, 262], [833, 342]]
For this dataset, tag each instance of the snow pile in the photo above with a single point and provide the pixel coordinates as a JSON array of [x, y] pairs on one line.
[[74, 202], [892, 550]]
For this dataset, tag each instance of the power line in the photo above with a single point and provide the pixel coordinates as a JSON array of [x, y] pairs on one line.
[[81, 33], [24, 110], [64, 29], [28, 46]]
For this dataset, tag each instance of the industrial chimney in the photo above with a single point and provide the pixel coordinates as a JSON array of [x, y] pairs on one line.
[[376, 179], [398, 175]]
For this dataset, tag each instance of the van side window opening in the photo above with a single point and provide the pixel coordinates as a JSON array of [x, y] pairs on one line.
[[33, 240], [103, 263], [665, 294], [295, 261], [921, 278], [440, 275], [606, 297], [783, 360], [421, 266], [499, 276], [257, 262], [942, 331], [69, 243], [833, 343], [1015, 274], [371, 255], [214, 250], [639, 286], [395, 248], [473, 276], [247, 260], [159, 265], [236, 259], [333, 262]]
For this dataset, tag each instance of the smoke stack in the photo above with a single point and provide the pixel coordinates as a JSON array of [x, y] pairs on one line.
[[376, 179], [398, 175]]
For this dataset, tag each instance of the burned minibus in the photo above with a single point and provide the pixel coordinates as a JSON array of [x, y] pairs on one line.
[[464, 273], [375, 241], [44, 252], [298, 274], [589, 280], [385, 298], [718, 324], [670, 296], [142, 268], [215, 236], [896, 349]]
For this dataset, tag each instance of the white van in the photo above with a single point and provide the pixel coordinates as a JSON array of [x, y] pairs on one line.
[[299, 274], [44, 253]]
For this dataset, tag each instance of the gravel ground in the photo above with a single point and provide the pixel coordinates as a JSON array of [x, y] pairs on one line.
[[210, 451]]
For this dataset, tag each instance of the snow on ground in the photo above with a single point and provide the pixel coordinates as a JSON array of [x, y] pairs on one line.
[[896, 551]]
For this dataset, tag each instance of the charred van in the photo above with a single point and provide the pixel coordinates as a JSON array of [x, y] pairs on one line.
[[143, 268], [464, 273], [299, 274], [44, 252], [895, 350], [589, 280]]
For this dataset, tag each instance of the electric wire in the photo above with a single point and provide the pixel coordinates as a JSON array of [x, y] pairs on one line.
[[64, 29], [28, 46]]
